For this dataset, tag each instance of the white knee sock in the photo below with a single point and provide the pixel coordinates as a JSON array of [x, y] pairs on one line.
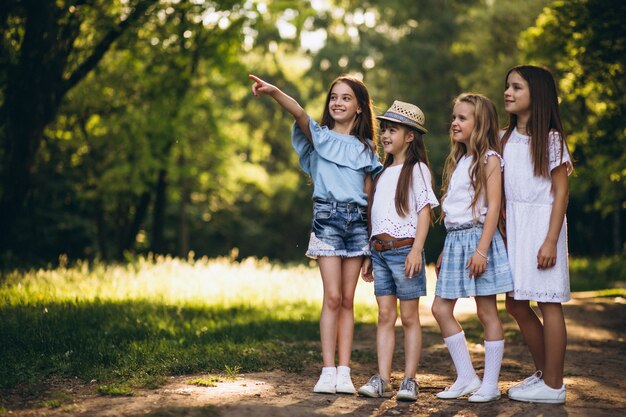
[[494, 350], [457, 346]]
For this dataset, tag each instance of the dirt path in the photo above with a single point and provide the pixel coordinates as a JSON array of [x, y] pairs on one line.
[[595, 377]]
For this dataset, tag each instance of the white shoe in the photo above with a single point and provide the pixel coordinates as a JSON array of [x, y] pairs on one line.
[[531, 380], [344, 384], [376, 387], [326, 384], [479, 397], [539, 392], [408, 390], [470, 388]]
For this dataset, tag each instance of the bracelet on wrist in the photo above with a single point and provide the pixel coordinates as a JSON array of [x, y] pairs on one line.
[[482, 254]]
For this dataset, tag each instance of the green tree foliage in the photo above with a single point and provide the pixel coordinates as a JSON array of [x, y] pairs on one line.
[[584, 42], [46, 49], [128, 126]]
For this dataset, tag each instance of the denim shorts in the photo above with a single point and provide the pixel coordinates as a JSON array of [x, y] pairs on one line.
[[338, 229], [389, 278]]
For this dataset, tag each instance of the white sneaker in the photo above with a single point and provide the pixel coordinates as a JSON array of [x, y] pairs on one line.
[[376, 387], [531, 380], [469, 388], [539, 392], [408, 390], [344, 383], [326, 384]]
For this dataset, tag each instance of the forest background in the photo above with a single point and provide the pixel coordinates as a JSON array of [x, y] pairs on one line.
[[127, 127]]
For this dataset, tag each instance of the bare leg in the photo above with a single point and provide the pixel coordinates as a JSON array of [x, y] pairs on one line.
[[409, 313], [555, 342], [443, 311], [350, 270], [330, 269], [385, 333], [531, 328], [487, 310]]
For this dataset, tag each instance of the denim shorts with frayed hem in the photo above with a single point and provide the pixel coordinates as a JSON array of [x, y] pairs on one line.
[[338, 229], [389, 277]]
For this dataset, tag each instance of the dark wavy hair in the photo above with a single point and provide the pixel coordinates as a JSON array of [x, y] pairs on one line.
[[415, 153], [364, 125]]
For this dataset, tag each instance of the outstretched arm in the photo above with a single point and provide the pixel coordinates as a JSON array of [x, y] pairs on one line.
[[261, 87]]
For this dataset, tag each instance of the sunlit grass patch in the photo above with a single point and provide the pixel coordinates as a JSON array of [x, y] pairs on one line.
[[55, 399], [134, 324], [116, 390], [208, 381]]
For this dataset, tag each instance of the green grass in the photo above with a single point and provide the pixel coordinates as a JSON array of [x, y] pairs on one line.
[[130, 326], [588, 274]]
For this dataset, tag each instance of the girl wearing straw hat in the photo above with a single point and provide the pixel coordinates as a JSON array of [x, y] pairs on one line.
[[474, 261], [340, 156], [402, 199]]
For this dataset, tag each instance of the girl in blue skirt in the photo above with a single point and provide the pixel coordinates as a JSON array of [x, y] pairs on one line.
[[474, 260]]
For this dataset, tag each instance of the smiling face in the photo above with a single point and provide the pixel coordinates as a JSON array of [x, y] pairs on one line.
[[395, 139], [517, 95], [463, 122], [343, 106]]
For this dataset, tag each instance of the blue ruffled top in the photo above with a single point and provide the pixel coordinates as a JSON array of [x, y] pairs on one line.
[[337, 163]]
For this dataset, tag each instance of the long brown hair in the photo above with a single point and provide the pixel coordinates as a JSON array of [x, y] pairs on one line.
[[364, 124], [484, 136], [544, 116], [415, 153]]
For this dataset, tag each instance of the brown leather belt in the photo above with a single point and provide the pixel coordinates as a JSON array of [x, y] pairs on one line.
[[383, 245]]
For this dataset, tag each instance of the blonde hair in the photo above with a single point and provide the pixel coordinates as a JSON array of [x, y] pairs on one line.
[[484, 136]]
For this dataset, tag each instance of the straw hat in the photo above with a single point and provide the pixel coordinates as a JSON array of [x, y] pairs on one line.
[[406, 114]]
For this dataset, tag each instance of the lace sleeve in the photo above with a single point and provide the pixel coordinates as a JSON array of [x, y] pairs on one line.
[[558, 154], [491, 152], [422, 187]]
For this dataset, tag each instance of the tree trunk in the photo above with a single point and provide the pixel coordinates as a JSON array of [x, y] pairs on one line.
[[618, 245], [183, 224], [140, 214], [158, 216]]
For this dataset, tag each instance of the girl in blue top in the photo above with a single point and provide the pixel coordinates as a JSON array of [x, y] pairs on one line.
[[340, 156]]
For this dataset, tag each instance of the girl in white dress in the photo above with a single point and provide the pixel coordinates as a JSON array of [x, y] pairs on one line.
[[536, 166]]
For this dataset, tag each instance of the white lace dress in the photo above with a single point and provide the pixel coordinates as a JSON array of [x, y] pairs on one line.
[[528, 208]]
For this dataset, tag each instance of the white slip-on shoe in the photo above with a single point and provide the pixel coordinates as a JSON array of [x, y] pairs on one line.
[[470, 388], [479, 397], [531, 380], [539, 392], [327, 384]]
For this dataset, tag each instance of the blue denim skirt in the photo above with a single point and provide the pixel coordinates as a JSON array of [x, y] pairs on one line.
[[454, 279], [338, 229]]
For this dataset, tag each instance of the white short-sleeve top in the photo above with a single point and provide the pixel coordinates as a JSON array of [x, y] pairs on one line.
[[457, 205], [385, 218]]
